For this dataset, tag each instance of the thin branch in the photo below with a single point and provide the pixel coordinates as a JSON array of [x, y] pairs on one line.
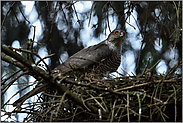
[[70, 5], [91, 13], [34, 53], [155, 64], [178, 25], [64, 15], [143, 84], [130, 25], [5, 88], [23, 14], [15, 15], [48, 8], [146, 65], [12, 61], [15, 72], [42, 59], [15, 95], [6, 15], [76, 14], [175, 98], [53, 17], [31, 93], [7, 50], [108, 18], [61, 89], [139, 55], [128, 105], [113, 107], [32, 42], [92, 87]]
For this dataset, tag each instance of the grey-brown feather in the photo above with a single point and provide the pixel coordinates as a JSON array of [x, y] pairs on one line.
[[85, 57], [107, 53]]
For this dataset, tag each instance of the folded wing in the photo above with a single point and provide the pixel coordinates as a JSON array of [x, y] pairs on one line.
[[85, 57]]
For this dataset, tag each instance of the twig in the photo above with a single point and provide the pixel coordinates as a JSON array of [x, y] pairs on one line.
[[48, 8], [140, 108], [113, 107], [64, 15], [161, 113], [6, 15], [61, 101], [137, 25], [85, 104], [139, 55], [34, 53], [93, 87], [53, 17], [3, 82], [147, 95], [125, 72], [143, 84], [130, 25], [7, 50], [44, 58], [15, 15], [32, 42], [104, 6], [142, 37], [138, 113], [15, 95], [12, 61], [155, 64], [76, 14], [31, 93], [175, 98], [5, 88], [146, 65], [108, 18], [74, 114], [128, 113], [178, 26], [70, 5], [91, 13], [23, 14], [94, 98]]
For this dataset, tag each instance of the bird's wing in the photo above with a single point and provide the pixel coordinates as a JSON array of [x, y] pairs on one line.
[[85, 57]]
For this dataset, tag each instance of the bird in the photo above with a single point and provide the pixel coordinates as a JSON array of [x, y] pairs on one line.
[[104, 57]]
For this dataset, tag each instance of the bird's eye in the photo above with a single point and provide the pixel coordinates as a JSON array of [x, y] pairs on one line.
[[115, 32], [121, 33]]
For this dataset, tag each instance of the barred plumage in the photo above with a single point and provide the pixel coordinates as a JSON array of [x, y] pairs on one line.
[[105, 56], [111, 64]]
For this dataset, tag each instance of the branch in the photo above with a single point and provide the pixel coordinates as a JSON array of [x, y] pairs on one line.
[[12, 61], [91, 13], [6, 15], [47, 79], [30, 94], [62, 89], [35, 71], [94, 87]]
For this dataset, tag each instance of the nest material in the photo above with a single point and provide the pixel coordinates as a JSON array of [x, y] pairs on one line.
[[89, 97], [145, 97]]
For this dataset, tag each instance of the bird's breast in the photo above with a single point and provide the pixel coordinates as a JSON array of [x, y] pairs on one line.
[[109, 64]]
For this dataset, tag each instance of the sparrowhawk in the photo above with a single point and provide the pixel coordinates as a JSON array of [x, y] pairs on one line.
[[105, 56]]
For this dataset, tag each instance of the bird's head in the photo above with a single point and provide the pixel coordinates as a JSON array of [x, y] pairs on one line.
[[115, 39]]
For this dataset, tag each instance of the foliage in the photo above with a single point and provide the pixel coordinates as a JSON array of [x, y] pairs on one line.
[[145, 96]]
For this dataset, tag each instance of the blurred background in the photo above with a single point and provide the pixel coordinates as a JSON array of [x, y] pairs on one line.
[[154, 33]]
